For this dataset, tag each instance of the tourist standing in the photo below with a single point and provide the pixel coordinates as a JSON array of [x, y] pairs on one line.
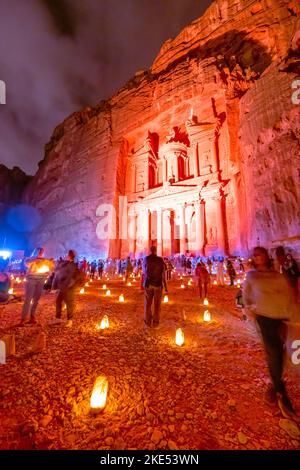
[[67, 278], [231, 272], [154, 282], [220, 272], [269, 298], [203, 278], [129, 269], [38, 270]]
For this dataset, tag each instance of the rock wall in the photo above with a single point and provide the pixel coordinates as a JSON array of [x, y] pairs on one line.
[[236, 63], [12, 184]]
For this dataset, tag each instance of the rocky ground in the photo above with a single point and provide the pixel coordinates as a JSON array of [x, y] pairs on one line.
[[207, 394]]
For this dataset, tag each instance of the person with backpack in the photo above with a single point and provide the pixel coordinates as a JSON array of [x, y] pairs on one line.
[[67, 278], [154, 282]]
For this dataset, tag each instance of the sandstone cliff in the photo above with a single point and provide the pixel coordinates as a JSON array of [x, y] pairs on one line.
[[12, 185], [237, 64]]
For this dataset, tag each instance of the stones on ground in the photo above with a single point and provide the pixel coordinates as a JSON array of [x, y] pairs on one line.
[[290, 427], [156, 436], [242, 438], [45, 420], [140, 409], [172, 445]]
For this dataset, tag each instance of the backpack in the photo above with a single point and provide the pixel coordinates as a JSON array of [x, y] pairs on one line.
[[80, 278]]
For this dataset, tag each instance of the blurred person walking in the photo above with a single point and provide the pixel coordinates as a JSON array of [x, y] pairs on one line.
[[269, 298]]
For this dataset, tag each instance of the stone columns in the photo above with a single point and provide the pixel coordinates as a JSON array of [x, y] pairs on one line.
[[132, 234], [159, 214], [221, 225], [145, 221], [175, 166], [200, 227], [182, 229], [164, 170], [195, 160]]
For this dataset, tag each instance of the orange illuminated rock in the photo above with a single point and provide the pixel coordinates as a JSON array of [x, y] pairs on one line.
[[210, 131]]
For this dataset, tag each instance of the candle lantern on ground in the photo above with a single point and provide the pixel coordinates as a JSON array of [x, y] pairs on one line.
[[99, 394], [107, 293], [121, 298], [205, 302], [179, 339], [104, 323], [81, 290], [207, 316]]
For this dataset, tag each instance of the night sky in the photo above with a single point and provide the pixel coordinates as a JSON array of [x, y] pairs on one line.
[[57, 56]]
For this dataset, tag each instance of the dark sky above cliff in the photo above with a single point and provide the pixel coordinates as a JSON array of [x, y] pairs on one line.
[[57, 56]]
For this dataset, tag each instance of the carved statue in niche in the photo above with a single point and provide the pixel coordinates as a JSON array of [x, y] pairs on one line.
[[177, 136], [212, 236]]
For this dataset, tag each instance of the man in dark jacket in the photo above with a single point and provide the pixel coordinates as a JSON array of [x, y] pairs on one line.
[[154, 281], [67, 278]]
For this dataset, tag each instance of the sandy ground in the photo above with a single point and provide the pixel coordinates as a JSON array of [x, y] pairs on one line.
[[207, 394]]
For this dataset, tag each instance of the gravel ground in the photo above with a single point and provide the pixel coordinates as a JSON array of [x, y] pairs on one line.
[[207, 394]]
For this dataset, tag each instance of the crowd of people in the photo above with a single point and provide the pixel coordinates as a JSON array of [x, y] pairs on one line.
[[270, 293]]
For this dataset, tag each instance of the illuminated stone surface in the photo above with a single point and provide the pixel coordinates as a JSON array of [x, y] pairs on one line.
[[214, 111]]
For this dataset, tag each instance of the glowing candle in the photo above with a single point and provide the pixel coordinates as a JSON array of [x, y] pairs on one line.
[[205, 302], [10, 291], [107, 293], [207, 316], [81, 290], [104, 323], [121, 298], [215, 283], [179, 340], [104, 286], [99, 394], [129, 284], [166, 299], [182, 286]]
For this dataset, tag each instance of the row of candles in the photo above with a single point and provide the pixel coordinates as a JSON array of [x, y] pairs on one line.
[[99, 394], [100, 389]]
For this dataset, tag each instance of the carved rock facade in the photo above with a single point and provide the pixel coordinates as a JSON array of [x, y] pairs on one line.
[[201, 152]]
